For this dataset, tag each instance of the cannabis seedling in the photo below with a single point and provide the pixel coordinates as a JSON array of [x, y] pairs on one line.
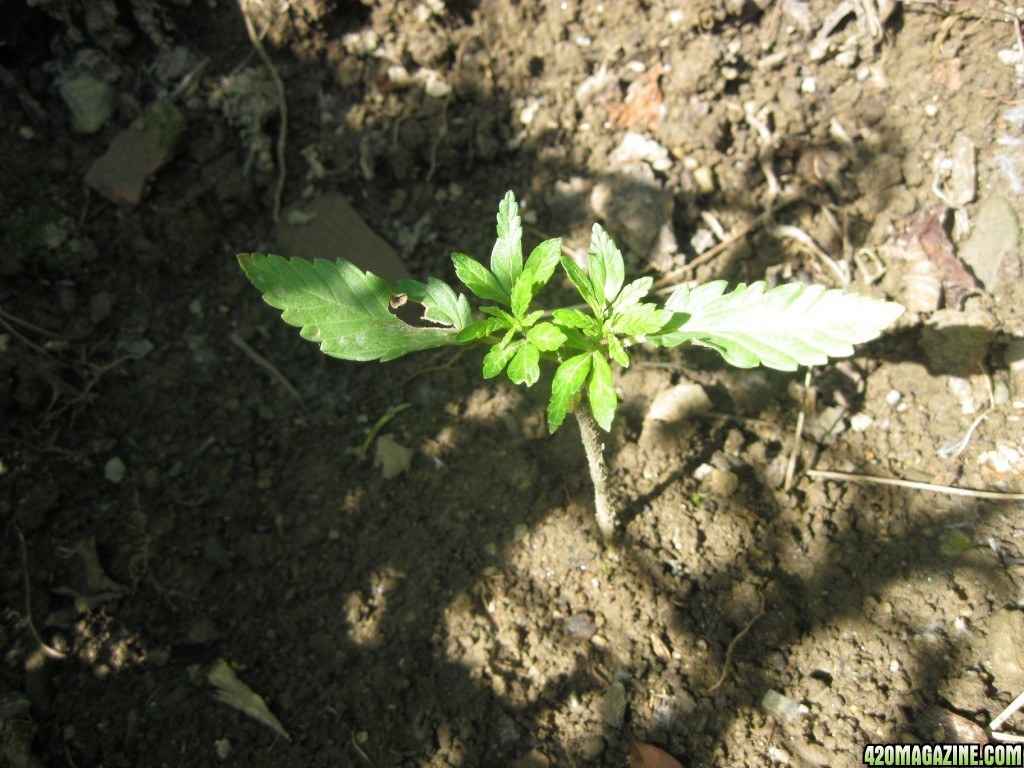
[[349, 313]]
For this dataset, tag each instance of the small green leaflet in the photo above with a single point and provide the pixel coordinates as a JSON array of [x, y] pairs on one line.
[[616, 351], [346, 310], [543, 260], [478, 329], [535, 275], [522, 294], [782, 328], [573, 318], [497, 358], [601, 393], [567, 382], [632, 294], [507, 254], [441, 304], [479, 279], [607, 268], [640, 320], [583, 285], [546, 337], [525, 366]]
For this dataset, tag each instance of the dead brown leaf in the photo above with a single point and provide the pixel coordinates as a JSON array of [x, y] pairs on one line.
[[233, 692], [949, 74], [643, 106], [650, 756], [927, 238]]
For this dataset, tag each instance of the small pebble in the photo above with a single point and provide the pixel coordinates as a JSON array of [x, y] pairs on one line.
[[859, 422], [782, 706], [705, 179], [592, 747], [1008, 56], [114, 470], [613, 706], [223, 747], [581, 627], [101, 305]]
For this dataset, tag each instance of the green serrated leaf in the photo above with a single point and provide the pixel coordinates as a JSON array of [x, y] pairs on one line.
[[640, 320], [500, 314], [507, 254], [478, 329], [576, 340], [339, 306], [535, 275], [601, 393], [617, 352], [687, 298], [479, 279], [567, 382], [530, 319], [573, 318], [542, 262], [525, 366], [781, 328], [497, 358], [522, 293], [440, 303], [607, 268], [582, 283], [546, 337], [632, 294]]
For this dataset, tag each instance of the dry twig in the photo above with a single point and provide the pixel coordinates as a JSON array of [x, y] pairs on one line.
[[827, 474], [268, 366], [282, 104], [801, 417]]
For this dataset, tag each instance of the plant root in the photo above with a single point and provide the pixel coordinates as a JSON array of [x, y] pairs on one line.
[[732, 645]]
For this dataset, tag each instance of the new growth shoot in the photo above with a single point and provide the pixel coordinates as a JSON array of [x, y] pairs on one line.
[[348, 312]]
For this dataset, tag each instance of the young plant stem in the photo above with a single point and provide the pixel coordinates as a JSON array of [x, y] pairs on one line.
[[603, 507]]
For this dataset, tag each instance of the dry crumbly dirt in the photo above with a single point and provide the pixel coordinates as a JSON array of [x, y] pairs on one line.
[[166, 502]]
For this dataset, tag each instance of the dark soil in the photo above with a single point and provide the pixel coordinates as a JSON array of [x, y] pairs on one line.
[[183, 480]]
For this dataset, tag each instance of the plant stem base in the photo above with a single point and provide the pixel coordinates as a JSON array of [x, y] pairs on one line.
[[603, 507]]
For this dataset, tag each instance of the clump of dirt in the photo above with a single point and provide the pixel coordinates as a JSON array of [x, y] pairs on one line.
[[187, 489]]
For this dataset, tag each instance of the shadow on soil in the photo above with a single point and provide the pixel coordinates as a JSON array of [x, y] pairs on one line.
[[334, 586]]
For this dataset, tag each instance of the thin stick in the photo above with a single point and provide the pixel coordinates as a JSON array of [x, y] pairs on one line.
[[603, 508], [282, 105], [266, 365], [791, 464], [51, 653], [442, 131], [362, 755], [1005, 714], [828, 474], [735, 640], [376, 428], [667, 283], [27, 324], [795, 233]]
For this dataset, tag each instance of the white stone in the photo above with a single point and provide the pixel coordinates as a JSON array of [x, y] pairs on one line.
[[859, 422]]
